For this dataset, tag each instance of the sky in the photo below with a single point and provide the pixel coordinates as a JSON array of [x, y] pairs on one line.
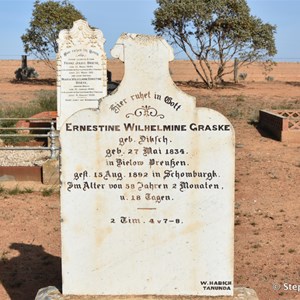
[[113, 17]]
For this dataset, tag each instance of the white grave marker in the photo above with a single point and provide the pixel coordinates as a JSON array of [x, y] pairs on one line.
[[147, 194], [81, 70]]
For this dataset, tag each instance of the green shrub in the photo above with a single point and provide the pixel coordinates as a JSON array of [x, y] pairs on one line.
[[45, 101], [15, 191], [47, 192], [243, 76], [270, 78]]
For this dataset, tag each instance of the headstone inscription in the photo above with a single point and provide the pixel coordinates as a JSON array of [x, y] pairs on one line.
[[81, 70], [147, 187]]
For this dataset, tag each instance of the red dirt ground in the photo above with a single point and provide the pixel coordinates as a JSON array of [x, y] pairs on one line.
[[267, 206]]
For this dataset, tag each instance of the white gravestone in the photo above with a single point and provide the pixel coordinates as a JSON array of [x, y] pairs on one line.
[[81, 70], [147, 194]]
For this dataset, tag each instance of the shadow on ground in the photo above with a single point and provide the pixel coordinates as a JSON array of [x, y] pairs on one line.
[[293, 83], [201, 85], [24, 275], [264, 133], [35, 81]]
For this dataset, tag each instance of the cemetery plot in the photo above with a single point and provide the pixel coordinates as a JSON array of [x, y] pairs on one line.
[[147, 187], [284, 125]]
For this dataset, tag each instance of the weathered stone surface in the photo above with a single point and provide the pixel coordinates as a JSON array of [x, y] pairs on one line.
[[7, 178], [240, 293], [51, 171], [49, 293], [81, 70], [147, 187]]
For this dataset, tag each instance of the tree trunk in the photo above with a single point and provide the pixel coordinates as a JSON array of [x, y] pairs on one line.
[[24, 62], [235, 73]]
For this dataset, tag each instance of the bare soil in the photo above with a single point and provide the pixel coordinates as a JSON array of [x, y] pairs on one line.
[[267, 206]]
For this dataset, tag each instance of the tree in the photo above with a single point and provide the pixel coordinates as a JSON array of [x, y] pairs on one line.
[[215, 32], [48, 19]]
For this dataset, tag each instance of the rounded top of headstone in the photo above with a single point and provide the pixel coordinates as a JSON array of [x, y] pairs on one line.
[[80, 34], [140, 41]]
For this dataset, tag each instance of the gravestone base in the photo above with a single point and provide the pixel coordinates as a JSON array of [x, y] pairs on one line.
[[52, 293], [51, 171]]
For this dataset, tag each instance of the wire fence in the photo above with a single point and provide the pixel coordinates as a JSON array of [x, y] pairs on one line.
[[179, 54], [28, 132]]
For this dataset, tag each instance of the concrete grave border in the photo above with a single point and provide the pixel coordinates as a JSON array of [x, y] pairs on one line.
[[283, 124]]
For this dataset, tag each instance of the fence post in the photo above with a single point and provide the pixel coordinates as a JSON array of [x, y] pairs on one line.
[[24, 62], [236, 64], [52, 141]]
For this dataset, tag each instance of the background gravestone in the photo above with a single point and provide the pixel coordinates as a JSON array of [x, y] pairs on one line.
[[147, 193], [81, 70]]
